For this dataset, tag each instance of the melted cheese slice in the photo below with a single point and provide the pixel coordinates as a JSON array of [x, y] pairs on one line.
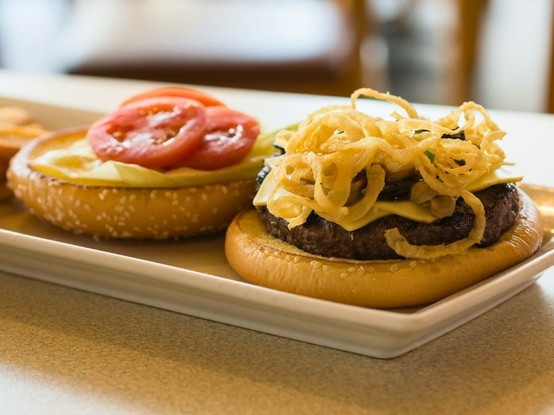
[[77, 163], [406, 208]]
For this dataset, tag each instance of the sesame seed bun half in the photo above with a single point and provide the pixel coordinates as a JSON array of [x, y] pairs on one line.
[[270, 262], [123, 212]]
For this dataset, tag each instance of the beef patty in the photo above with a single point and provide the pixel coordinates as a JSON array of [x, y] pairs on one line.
[[321, 237]]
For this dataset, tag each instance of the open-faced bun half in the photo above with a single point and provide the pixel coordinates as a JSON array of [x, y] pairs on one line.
[[123, 212], [267, 261]]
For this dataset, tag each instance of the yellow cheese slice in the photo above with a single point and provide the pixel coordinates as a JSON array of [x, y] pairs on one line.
[[77, 163], [406, 208]]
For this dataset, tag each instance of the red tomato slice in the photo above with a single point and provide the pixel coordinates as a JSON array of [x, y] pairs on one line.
[[175, 91], [228, 138], [153, 133]]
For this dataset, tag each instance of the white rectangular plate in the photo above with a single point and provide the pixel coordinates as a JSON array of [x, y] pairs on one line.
[[193, 277]]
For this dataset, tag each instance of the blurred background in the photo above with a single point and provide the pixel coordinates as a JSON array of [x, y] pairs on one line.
[[496, 52]]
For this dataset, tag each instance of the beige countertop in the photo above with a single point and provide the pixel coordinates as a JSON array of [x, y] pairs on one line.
[[65, 351]]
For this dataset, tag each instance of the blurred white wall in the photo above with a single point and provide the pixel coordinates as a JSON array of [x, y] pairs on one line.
[[29, 31], [513, 61], [513, 64]]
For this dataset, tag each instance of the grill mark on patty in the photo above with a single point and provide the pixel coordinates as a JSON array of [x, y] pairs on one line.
[[321, 237]]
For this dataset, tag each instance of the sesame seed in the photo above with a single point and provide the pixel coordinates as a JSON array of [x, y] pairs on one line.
[[315, 264], [101, 196]]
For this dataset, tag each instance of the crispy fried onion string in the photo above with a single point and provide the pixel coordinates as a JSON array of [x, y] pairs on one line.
[[338, 160], [399, 244]]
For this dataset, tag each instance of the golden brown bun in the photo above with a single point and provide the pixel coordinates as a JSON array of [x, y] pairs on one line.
[[123, 212], [267, 261]]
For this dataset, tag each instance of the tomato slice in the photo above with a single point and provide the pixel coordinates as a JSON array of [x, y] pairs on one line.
[[153, 133], [228, 138], [175, 91]]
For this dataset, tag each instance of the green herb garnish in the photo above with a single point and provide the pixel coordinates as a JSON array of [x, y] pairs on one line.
[[430, 155]]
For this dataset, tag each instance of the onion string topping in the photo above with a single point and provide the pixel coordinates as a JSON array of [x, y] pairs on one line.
[[336, 144]]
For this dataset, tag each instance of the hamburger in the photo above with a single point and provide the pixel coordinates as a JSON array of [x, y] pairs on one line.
[[384, 212], [169, 162]]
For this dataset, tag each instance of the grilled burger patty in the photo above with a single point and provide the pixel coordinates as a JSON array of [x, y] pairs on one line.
[[321, 237]]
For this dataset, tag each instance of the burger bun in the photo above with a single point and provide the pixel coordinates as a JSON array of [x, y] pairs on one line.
[[267, 261], [123, 212]]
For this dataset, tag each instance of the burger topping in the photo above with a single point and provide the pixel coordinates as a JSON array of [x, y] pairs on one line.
[[173, 126], [228, 137], [177, 92], [336, 144], [76, 162], [321, 237], [393, 199], [153, 133], [164, 137]]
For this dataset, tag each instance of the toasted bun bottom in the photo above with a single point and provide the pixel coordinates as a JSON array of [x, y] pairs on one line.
[[123, 212], [267, 261]]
